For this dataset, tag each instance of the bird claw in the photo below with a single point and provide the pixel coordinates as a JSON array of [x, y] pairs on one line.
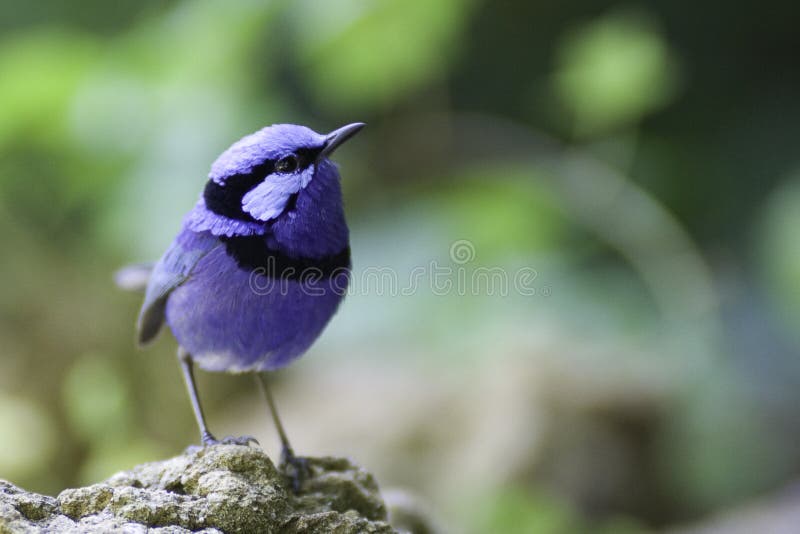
[[209, 439], [295, 468], [240, 440]]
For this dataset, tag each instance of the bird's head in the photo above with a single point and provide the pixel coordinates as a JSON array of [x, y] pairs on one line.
[[260, 177]]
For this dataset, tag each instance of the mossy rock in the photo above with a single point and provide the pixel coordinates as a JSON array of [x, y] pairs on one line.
[[222, 488]]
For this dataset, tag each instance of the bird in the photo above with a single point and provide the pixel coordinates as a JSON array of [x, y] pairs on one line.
[[259, 267]]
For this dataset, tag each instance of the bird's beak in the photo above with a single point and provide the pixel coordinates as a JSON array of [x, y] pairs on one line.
[[337, 137]]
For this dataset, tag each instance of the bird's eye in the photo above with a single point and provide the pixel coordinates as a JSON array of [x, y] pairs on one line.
[[287, 164]]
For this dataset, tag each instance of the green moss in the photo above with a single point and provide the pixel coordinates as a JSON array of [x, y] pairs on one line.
[[80, 502]]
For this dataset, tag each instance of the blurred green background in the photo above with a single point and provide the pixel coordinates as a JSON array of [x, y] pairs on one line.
[[639, 159]]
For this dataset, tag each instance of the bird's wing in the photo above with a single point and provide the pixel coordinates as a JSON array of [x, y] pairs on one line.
[[173, 269]]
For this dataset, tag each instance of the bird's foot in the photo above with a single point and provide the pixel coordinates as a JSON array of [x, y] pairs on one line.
[[240, 440], [209, 439], [295, 468]]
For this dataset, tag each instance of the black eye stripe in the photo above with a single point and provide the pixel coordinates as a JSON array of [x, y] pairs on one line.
[[307, 156], [226, 199]]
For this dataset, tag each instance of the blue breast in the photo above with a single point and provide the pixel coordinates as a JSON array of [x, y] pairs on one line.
[[243, 311]]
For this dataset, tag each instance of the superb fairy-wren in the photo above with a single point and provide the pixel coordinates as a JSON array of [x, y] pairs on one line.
[[260, 265]]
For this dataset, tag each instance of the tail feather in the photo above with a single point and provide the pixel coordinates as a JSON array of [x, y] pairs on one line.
[[134, 277]]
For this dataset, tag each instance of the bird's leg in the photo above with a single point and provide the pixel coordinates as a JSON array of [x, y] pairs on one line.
[[286, 448], [296, 467], [205, 435], [188, 376]]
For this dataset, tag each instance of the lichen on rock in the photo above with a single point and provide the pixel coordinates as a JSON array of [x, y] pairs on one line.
[[222, 488]]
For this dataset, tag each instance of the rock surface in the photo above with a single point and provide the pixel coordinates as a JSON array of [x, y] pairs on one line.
[[224, 488]]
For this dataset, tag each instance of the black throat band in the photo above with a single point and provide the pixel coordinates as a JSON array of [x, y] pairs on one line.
[[252, 253]]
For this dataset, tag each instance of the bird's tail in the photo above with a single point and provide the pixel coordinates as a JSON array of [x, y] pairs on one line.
[[134, 277]]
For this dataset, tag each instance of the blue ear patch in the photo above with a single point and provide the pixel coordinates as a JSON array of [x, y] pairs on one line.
[[268, 199]]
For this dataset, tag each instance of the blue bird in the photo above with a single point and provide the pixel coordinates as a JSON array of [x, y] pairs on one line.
[[260, 265]]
